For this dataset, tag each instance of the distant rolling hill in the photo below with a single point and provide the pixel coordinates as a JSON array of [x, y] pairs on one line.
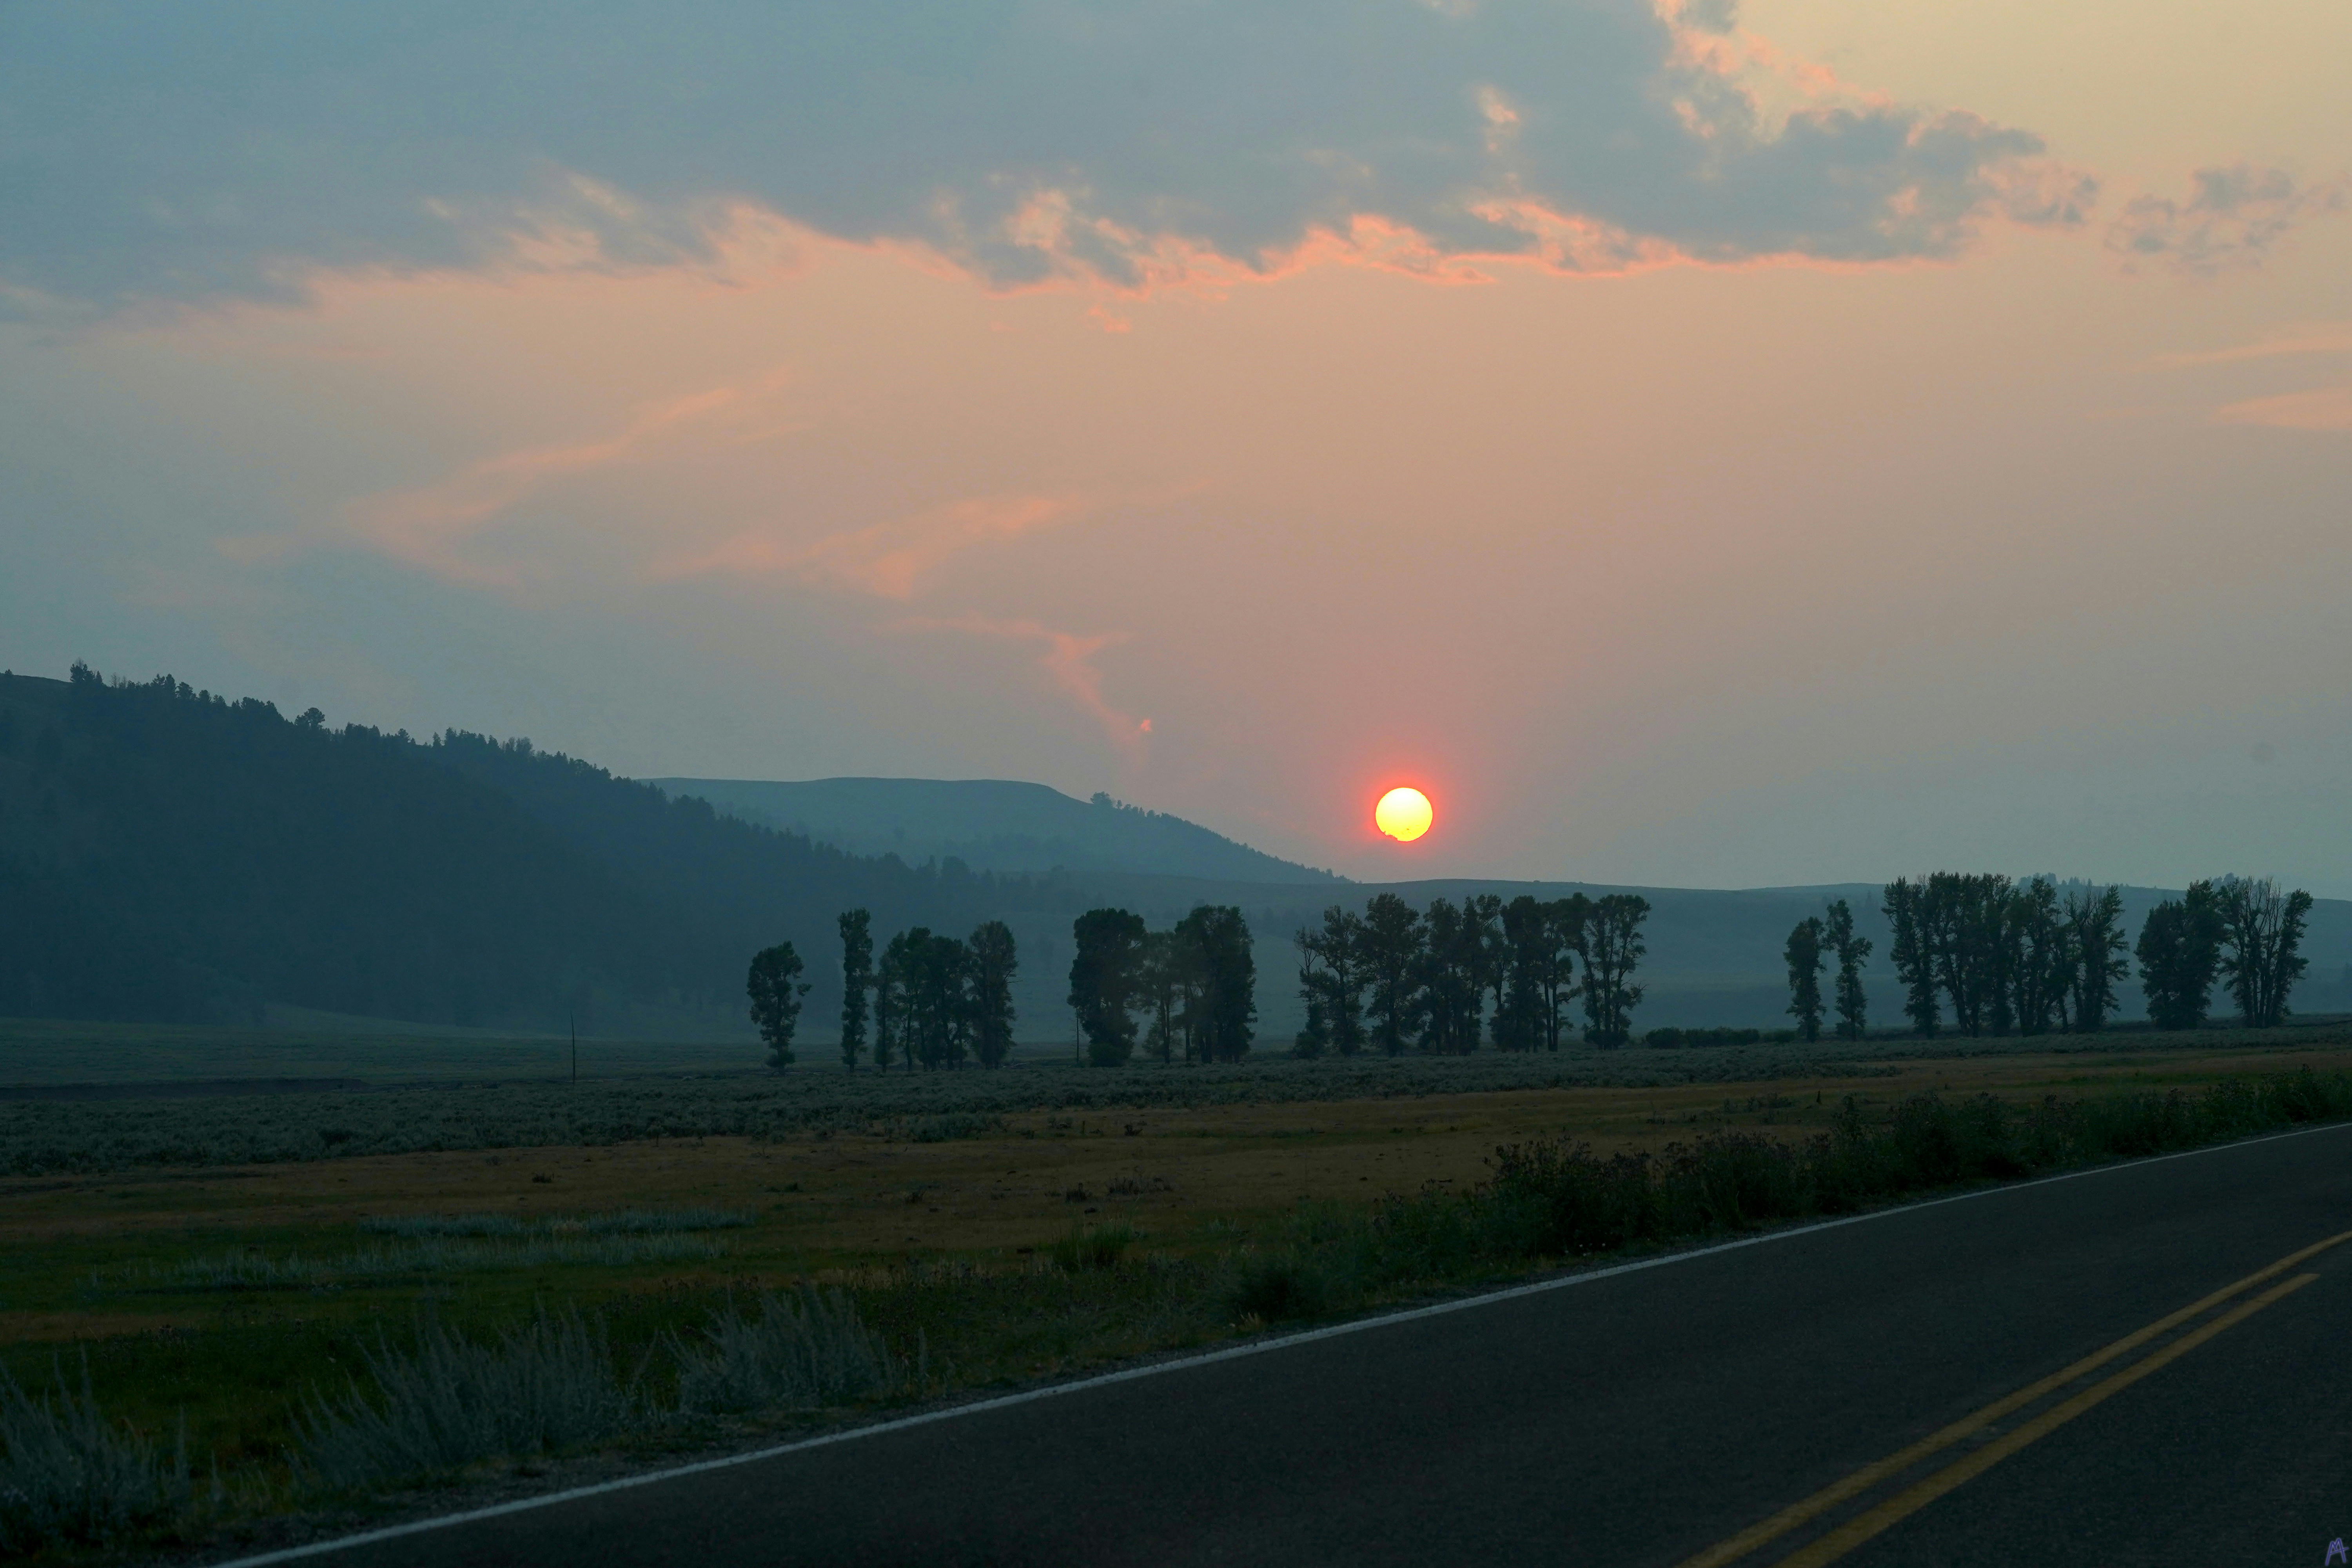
[[167, 855], [991, 825]]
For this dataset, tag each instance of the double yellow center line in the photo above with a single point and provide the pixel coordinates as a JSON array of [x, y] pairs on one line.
[[1837, 1542]]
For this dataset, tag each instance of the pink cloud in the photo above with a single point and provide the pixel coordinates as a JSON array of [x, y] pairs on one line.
[[2319, 408], [890, 560], [425, 525], [2308, 338]]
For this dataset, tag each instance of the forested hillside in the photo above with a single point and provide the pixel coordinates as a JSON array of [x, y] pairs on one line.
[[171, 854]]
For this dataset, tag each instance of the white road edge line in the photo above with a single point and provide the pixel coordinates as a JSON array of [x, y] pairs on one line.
[[1232, 1352]]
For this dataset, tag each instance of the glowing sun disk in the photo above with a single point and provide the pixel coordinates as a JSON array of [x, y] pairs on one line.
[[1403, 814]]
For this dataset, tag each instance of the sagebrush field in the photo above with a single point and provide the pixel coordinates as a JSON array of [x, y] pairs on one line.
[[233, 1265]]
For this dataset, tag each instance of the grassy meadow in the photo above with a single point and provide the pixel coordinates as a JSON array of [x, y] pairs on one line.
[[217, 1265]]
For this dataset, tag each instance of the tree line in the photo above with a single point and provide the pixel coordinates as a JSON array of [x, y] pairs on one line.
[[931, 1001], [1189, 991], [2002, 955], [2008, 956], [1394, 976], [2243, 931]]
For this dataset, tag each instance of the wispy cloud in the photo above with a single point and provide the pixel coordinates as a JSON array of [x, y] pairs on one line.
[[1068, 661], [892, 559], [2318, 408], [2234, 218], [426, 524], [2327, 408], [2304, 337]]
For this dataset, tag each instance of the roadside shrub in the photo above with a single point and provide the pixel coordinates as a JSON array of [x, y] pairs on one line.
[[2305, 1096], [798, 1352], [448, 1403], [1432, 1235], [1731, 1182], [1098, 1247], [68, 1477], [1274, 1287], [1548, 1197], [1560, 1198]]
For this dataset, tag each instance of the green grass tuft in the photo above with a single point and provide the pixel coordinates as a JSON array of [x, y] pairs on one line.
[[1093, 1247], [448, 1402], [797, 1351], [69, 1475]]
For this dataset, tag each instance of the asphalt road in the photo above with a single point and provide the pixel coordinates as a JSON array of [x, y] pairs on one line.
[[1644, 1418]]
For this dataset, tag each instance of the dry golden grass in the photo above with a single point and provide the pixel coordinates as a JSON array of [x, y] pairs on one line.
[[1166, 1171]]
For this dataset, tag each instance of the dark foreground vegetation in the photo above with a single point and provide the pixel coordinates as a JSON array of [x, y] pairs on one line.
[[648, 1374], [1551, 1199]]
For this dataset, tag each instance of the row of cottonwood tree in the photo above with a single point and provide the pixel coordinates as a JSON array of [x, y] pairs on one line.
[[2004, 955], [1188, 991], [1394, 976], [936, 1001], [2010, 956]]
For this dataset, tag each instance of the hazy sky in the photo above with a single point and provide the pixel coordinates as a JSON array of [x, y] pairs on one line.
[[1800, 443]]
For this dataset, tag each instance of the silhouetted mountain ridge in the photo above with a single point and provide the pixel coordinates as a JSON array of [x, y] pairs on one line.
[[992, 825]]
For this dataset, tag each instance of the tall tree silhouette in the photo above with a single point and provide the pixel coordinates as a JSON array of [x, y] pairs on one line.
[[890, 1006], [1967, 918], [1390, 948], [857, 980], [995, 961], [1564, 939], [1526, 940], [1167, 976], [2038, 956], [1612, 948], [1913, 954], [1481, 914], [1342, 949], [2097, 945], [1451, 978], [1104, 970], [2179, 951], [1225, 996], [2263, 929], [1314, 1036], [775, 989], [1853, 998], [937, 1028], [1803, 953]]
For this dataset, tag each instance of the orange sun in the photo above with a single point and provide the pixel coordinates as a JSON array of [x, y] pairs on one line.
[[1403, 814]]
